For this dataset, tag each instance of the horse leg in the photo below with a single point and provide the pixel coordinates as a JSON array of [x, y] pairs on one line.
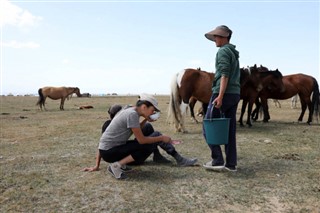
[[192, 103], [311, 109], [43, 103], [264, 103], [303, 109], [183, 109], [243, 110], [255, 112], [62, 103], [249, 112], [204, 109]]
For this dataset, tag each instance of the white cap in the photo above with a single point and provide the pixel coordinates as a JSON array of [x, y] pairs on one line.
[[151, 99]]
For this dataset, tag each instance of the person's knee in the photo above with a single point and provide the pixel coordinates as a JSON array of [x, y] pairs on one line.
[[147, 129], [155, 134]]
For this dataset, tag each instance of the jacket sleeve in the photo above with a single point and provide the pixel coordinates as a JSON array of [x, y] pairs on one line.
[[224, 62]]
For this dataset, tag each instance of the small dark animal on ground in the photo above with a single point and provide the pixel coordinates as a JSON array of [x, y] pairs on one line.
[[86, 107]]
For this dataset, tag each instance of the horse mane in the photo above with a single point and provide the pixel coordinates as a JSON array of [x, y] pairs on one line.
[[276, 73]]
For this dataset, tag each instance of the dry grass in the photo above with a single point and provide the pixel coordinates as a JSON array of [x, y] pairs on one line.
[[42, 154]]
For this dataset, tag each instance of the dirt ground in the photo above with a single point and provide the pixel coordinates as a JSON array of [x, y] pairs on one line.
[[42, 154]]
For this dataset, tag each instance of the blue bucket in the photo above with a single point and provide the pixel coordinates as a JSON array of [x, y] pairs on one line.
[[217, 130]]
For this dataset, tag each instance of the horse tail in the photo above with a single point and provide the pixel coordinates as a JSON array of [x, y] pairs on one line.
[[174, 112], [41, 97], [315, 97]]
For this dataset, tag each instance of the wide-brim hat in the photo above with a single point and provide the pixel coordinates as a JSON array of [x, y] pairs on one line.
[[221, 30], [151, 99]]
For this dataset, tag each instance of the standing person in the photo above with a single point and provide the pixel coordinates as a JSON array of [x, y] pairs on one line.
[[225, 96], [116, 148]]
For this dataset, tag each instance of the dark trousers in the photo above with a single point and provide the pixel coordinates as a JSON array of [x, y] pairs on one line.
[[229, 108], [139, 152]]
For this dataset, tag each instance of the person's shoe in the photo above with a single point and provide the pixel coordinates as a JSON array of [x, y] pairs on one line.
[[213, 166], [126, 168], [116, 171], [231, 168], [158, 158], [187, 161]]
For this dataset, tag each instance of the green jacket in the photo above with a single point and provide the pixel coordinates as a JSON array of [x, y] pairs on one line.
[[227, 64]]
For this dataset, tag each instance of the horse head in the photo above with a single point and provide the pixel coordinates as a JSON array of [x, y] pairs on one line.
[[254, 79], [276, 83], [77, 91], [262, 69], [244, 76]]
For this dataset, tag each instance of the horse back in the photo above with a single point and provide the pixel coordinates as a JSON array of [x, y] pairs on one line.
[[294, 84], [54, 92], [196, 83]]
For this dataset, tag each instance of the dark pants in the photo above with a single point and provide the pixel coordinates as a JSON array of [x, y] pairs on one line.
[[139, 152], [229, 108]]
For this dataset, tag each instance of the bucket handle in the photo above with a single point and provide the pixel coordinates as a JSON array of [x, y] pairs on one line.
[[221, 112]]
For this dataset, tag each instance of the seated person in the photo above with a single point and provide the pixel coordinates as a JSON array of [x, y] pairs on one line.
[[146, 130], [116, 148]]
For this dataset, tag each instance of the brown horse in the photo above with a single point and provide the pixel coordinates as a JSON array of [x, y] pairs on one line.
[[192, 103], [192, 85], [300, 84], [186, 84], [56, 93], [252, 83]]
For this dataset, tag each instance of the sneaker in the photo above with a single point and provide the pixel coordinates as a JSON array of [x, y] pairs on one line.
[[116, 171], [126, 168], [231, 168], [212, 166], [160, 159], [187, 161]]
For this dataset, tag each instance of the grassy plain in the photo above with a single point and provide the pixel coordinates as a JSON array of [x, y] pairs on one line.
[[42, 154]]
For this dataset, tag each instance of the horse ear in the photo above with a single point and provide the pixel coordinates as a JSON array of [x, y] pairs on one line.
[[255, 66]]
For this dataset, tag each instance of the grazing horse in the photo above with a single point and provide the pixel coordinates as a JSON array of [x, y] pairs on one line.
[[252, 82], [56, 93], [186, 84], [300, 84]]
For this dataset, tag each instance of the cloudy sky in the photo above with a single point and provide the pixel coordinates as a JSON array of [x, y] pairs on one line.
[[137, 46]]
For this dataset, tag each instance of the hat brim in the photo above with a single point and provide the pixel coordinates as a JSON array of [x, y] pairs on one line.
[[216, 32], [157, 109], [209, 36]]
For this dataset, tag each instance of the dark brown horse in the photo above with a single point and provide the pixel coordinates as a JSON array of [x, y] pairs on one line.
[[186, 84], [253, 81], [300, 84], [56, 93]]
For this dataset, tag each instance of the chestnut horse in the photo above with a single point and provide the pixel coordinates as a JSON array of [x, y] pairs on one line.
[[300, 84], [186, 84], [259, 79], [56, 93]]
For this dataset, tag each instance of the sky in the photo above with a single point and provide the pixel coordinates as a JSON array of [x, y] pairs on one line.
[[131, 47]]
